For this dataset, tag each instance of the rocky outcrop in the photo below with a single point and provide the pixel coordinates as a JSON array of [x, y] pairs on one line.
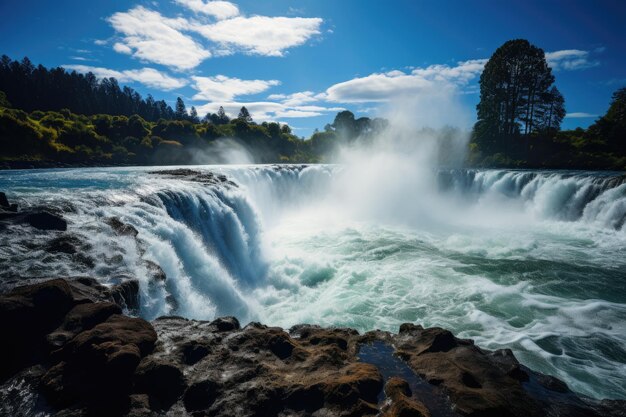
[[39, 218], [69, 346], [205, 177]]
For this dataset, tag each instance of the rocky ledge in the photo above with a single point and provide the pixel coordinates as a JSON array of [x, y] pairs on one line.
[[68, 350]]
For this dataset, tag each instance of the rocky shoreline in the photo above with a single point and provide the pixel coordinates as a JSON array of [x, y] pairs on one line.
[[70, 350]]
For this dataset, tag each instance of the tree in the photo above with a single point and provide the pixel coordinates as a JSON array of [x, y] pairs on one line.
[[3, 100], [244, 115], [515, 92], [222, 118], [181, 111], [551, 112], [611, 127], [193, 115]]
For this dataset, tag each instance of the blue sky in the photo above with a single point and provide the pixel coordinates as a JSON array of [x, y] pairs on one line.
[[299, 62]]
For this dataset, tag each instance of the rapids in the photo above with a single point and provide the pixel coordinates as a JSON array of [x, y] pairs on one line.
[[529, 260]]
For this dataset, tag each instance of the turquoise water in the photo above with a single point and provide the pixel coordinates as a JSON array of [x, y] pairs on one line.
[[532, 261]]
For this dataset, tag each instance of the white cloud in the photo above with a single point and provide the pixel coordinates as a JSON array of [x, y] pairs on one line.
[[223, 88], [152, 37], [218, 9], [570, 59], [381, 87], [146, 76], [261, 35], [296, 99], [122, 48], [263, 111], [580, 115]]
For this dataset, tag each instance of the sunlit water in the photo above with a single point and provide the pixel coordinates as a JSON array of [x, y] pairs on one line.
[[532, 261]]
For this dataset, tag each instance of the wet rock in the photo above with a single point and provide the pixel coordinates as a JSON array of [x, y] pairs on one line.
[[120, 228], [155, 272], [80, 318], [63, 244], [46, 221], [27, 315], [4, 202], [161, 380], [126, 294], [201, 395], [226, 324], [477, 382], [96, 366], [400, 403]]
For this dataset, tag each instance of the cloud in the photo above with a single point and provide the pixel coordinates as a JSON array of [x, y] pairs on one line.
[[146, 76], [263, 111], [149, 36], [296, 99], [223, 88], [381, 87], [176, 42], [261, 35], [570, 59], [218, 9], [579, 115]]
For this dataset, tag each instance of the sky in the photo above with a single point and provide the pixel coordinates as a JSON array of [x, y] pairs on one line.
[[300, 62]]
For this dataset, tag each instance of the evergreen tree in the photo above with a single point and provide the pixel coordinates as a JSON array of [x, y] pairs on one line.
[[193, 115], [222, 118], [244, 115], [611, 128], [181, 111]]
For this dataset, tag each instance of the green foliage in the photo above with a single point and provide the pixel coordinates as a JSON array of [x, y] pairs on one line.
[[4, 102], [516, 95]]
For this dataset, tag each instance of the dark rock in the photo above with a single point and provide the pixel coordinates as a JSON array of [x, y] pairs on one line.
[[27, 314], [4, 202], [126, 294], [194, 351], [226, 324], [201, 395], [155, 271], [46, 221], [401, 404], [161, 380], [120, 228], [551, 383], [63, 244], [97, 365], [80, 318]]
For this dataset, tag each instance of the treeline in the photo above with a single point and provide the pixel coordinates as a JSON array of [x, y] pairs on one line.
[[31, 88], [520, 114], [57, 138], [60, 138]]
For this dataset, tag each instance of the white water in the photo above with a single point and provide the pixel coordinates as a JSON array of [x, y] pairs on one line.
[[533, 261]]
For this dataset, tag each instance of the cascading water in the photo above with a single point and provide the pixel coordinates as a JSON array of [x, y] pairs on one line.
[[532, 261]]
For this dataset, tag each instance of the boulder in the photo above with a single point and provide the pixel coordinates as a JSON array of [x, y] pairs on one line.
[[97, 365], [161, 379], [120, 228], [126, 294], [44, 220], [4, 202], [27, 315]]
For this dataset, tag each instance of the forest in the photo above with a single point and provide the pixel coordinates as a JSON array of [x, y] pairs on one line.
[[52, 117]]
